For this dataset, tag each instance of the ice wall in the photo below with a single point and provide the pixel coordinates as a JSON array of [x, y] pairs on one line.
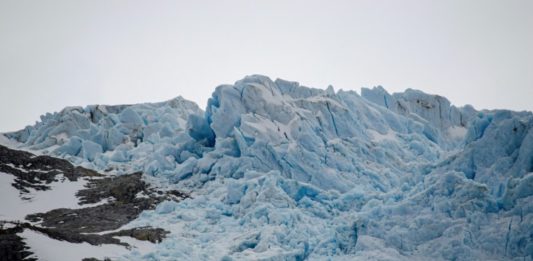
[[280, 171], [119, 138]]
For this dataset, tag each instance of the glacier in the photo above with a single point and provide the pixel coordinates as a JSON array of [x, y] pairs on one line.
[[280, 171]]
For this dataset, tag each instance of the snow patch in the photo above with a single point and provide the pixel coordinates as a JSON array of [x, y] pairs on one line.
[[61, 195], [378, 137], [47, 249], [457, 132]]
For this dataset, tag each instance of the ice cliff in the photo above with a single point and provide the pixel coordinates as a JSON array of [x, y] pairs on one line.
[[114, 138], [279, 171]]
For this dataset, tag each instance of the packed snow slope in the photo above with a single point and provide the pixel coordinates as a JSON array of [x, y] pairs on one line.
[[279, 171]]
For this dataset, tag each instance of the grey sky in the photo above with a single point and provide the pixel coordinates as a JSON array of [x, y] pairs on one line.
[[61, 53]]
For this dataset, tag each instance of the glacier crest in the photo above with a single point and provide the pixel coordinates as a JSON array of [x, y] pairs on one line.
[[279, 171]]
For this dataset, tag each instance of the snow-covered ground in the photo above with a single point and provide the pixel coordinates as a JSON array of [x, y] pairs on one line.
[[279, 171], [47, 249], [15, 206]]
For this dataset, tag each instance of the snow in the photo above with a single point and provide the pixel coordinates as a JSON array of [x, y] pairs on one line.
[[61, 195], [10, 143], [138, 247], [279, 171], [14, 207], [47, 249], [378, 137], [457, 132], [7, 225]]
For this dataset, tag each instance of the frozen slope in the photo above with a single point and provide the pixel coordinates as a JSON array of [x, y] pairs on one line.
[[280, 171]]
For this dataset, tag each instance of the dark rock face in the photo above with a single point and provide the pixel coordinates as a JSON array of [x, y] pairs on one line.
[[36, 172], [122, 188], [118, 199], [12, 247], [124, 205], [154, 235], [100, 218]]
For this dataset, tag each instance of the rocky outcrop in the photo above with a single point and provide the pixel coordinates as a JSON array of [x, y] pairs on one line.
[[37, 172], [12, 247], [111, 202]]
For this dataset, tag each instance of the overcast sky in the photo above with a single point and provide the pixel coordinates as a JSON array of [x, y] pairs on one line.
[[62, 53]]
